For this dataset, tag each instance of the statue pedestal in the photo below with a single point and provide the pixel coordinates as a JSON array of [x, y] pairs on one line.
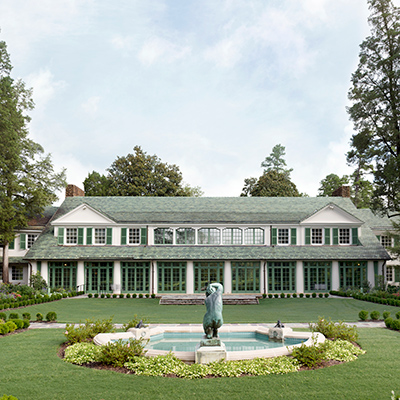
[[209, 353], [140, 333], [278, 333]]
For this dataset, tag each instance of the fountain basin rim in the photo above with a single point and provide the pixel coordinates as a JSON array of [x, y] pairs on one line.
[[189, 356]]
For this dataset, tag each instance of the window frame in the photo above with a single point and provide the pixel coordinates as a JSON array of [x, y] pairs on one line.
[[255, 233]]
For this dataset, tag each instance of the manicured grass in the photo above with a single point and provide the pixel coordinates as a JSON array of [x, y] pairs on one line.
[[269, 310], [30, 369]]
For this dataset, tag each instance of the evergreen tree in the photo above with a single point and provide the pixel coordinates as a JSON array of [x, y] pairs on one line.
[[27, 179]]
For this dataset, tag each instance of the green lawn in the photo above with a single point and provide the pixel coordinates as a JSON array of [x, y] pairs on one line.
[[269, 310], [30, 369]]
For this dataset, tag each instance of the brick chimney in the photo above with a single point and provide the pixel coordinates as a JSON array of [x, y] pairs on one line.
[[74, 191], [343, 191]]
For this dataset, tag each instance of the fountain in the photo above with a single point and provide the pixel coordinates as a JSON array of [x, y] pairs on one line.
[[229, 342]]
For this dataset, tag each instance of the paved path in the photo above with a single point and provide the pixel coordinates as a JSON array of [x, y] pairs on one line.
[[369, 324]]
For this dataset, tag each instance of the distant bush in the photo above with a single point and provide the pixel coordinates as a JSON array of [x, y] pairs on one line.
[[301, 295], [121, 296], [13, 316], [398, 315], [386, 314], [51, 316], [314, 295], [39, 317], [96, 295], [26, 315], [88, 330], [18, 322], [363, 315], [119, 352], [11, 326], [375, 315], [3, 316], [332, 330], [128, 296], [90, 295], [294, 295], [4, 329], [389, 322]]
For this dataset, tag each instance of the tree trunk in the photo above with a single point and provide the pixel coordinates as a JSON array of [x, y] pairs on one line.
[[6, 278]]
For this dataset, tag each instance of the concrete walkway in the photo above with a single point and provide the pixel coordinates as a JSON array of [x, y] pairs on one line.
[[358, 324]]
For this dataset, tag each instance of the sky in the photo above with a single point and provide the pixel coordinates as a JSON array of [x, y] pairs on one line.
[[209, 85]]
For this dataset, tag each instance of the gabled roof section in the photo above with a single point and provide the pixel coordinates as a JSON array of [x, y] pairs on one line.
[[331, 214], [204, 210], [83, 215]]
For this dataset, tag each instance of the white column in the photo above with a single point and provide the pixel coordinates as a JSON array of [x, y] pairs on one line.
[[227, 277], [80, 275], [335, 275], [189, 277], [154, 277], [299, 277], [371, 273], [262, 280], [117, 277], [45, 271]]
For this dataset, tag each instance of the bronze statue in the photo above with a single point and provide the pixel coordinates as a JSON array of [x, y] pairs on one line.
[[213, 318]]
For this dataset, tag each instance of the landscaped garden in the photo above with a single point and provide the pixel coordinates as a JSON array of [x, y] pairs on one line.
[[31, 369]]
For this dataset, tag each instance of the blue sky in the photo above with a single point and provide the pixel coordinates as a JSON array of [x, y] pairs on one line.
[[211, 85]]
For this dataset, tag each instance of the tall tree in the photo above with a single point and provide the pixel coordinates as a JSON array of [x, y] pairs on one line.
[[276, 162], [27, 178], [330, 183], [274, 184], [375, 109], [275, 180], [139, 174]]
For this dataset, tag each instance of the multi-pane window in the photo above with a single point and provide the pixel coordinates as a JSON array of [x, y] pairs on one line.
[[344, 236], [185, 236], [232, 236], [283, 236], [245, 276], [317, 276], [62, 275], [389, 274], [386, 241], [281, 276], [208, 236], [30, 239], [134, 236], [135, 276], [206, 272], [17, 273], [316, 236], [100, 235], [352, 274], [254, 236], [171, 277], [71, 236], [163, 236]]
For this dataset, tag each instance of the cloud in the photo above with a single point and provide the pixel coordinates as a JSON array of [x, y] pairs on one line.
[[91, 106], [44, 87], [158, 49]]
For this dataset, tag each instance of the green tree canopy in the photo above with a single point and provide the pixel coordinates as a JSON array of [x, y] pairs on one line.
[[375, 109], [276, 162], [330, 183], [275, 181], [139, 174], [27, 179], [274, 184]]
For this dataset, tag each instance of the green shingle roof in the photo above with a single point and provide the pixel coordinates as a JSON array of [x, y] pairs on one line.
[[262, 210]]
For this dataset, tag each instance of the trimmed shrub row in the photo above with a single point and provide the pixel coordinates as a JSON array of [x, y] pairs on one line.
[[50, 316], [294, 295], [390, 300], [121, 296]]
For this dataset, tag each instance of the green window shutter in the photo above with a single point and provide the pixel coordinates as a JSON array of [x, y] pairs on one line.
[[11, 245], [39, 266], [396, 240], [293, 236], [327, 236], [376, 268], [109, 236], [89, 236], [143, 236], [335, 236], [80, 235], [22, 241], [123, 235], [308, 236], [354, 235], [273, 236], [396, 273], [61, 236]]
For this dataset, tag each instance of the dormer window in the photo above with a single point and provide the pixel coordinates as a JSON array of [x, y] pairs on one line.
[[71, 236], [344, 236], [99, 235], [283, 236], [134, 235], [316, 236]]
